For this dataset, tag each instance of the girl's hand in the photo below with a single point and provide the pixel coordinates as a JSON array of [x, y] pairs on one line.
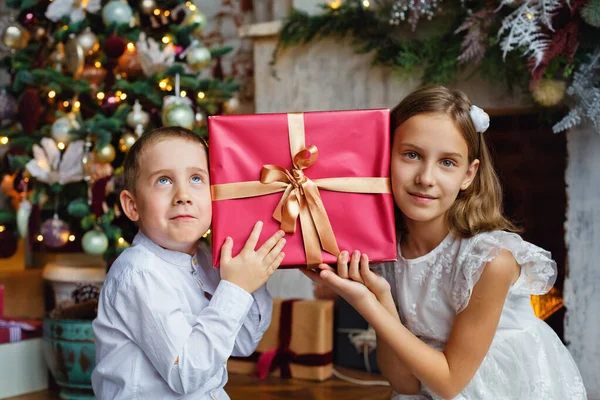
[[359, 271]]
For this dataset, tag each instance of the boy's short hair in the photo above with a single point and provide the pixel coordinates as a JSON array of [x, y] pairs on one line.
[[131, 166]]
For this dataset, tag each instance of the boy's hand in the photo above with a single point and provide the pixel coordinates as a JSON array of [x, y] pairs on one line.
[[252, 268]]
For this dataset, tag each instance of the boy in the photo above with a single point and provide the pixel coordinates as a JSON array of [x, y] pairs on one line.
[[167, 320]]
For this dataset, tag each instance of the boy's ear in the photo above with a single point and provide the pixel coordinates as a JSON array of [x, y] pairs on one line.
[[129, 206], [471, 174]]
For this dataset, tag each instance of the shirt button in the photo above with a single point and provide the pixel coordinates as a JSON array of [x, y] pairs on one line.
[[194, 261]]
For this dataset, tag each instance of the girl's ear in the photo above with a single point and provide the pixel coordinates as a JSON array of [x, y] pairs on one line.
[[129, 206], [471, 174]]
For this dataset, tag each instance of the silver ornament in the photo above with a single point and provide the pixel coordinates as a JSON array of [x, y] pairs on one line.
[[137, 116], [61, 127], [94, 242], [22, 218], [117, 12], [198, 58], [148, 6], [178, 114], [88, 41]]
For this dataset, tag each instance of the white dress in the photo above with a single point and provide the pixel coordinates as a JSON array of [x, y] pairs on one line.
[[526, 360]]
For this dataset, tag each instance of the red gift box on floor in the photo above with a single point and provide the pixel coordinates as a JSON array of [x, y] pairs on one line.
[[14, 330], [323, 177]]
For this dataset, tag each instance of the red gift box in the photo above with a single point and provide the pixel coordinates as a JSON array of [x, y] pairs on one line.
[[323, 177], [14, 330]]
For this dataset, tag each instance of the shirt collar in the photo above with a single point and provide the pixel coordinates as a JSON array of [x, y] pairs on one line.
[[170, 256]]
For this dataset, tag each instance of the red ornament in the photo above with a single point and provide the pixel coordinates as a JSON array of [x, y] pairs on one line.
[[30, 110], [114, 46]]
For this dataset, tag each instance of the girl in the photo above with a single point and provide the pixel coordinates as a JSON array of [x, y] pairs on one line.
[[453, 315]]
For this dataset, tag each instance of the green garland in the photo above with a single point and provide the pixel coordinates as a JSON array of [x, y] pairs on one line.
[[431, 52]]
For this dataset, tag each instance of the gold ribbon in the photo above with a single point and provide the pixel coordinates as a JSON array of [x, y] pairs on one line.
[[301, 198]]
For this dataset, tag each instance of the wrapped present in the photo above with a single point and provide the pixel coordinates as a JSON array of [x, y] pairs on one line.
[[298, 343], [15, 330], [324, 174], [355, 342]]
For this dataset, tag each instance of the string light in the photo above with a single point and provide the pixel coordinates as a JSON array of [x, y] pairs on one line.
[[4, 140], [167, 13], [163, 84], [52, 94], [183, 93], [201, 95], [60, 145], [335, 4], [2, 228], [97, 64], [192, 7], [76, 105], [66, 103], [100, 95], [156, 11], [131, 47], [123, 96], [120, 241], [40, 238], [188, 3], [166, 39], [71, 238], [366, 4], [169, 88]]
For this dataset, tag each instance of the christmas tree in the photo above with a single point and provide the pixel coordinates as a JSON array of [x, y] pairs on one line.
[[87, 79]]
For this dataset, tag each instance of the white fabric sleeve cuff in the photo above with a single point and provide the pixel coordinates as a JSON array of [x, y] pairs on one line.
[[231, 300]]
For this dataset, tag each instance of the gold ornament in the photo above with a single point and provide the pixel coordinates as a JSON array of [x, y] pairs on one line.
[[95, 76], [231, 106], [15, 36], [126, 141], [198, 58], [40, 32], [195, 17], [548, 92], [129, 64], [57, 58], [201, 119], [105, 154], [74, 57], [147, 6], [88, 41]]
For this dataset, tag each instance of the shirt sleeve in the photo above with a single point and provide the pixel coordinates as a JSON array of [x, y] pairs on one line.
[[185, 353], [256, 323]]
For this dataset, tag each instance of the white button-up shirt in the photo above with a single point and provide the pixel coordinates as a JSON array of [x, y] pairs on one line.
[[158, 336]]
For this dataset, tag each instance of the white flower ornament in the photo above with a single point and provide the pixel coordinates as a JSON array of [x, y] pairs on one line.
[[49, 167], [480, 119], [74, 9]]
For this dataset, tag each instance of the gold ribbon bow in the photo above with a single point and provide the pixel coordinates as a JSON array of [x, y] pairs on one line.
[[301, 198]]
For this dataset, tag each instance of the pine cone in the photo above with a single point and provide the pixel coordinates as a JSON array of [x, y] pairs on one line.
[[85, 292]]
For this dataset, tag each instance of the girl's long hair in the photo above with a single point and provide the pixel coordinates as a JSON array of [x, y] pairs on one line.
[[479, 207]]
